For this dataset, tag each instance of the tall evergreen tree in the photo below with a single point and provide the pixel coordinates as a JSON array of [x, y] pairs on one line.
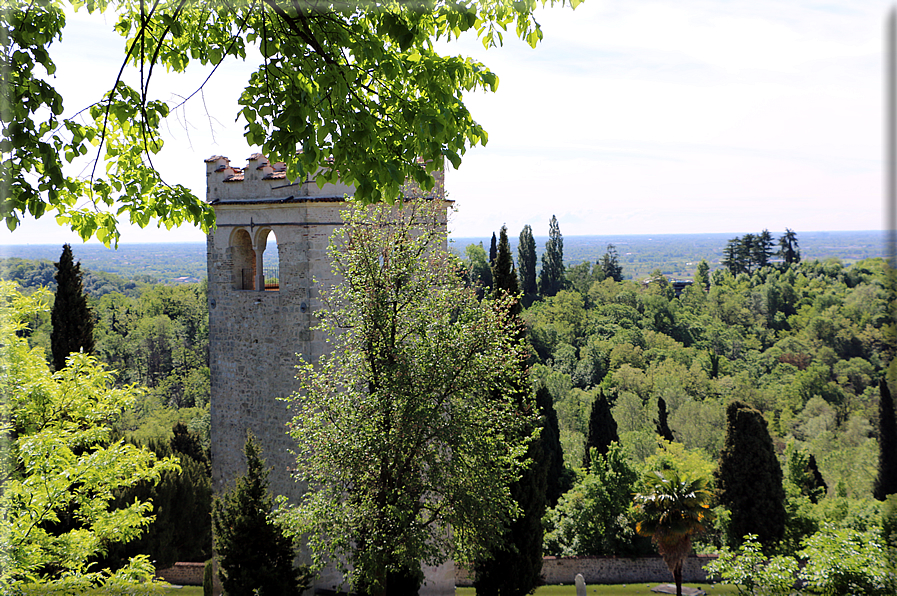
[[610, 265], [788, 247], [558, 481], [602, 429], [749, 477], [663, 427], [71, 318], [504, 275], [762, 249], [886, 481], [551, 277], [526, 262], [731, 259], [493, 250], [254, 554], [515, 567]]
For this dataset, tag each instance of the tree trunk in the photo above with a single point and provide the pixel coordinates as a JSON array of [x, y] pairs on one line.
[[677, 576]]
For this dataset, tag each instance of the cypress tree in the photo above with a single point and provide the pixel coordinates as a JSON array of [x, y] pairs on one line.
[[504, 276], [254, 555], [886, 481], [526, 262], [515, 567], [749, 478], [602, 429], [818, 487], [551, 277], [71, 319], [493, 251], [558, 481], [663, 427]]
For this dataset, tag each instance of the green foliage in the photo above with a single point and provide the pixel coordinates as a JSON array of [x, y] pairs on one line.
[[610, 266], [62, 469], [671, 510], [752, 572], [845, 561], [71, 318], [886, 481], [602, 430], [207, 579], [557, 477], [593, 518], [663, 426], [551, 276], [504, 276], [359, 94], [424, 379], [180, 495], [526, 263], [255, 556], [749, 478], [514, 567], [479, 273]]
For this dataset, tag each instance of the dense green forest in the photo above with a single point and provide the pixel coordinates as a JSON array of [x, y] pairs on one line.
[[803, 344]]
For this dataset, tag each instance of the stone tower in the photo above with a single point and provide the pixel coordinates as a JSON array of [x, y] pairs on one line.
[[266, 259]]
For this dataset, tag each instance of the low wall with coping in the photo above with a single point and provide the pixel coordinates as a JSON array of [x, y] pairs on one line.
[[555, 570], [183, 574], [611, 570]]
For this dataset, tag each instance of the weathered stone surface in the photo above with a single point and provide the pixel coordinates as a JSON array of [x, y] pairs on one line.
[[256, 337]]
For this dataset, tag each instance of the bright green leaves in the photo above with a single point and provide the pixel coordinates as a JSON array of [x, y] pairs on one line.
[[423, 377], [61, 461], [356, 90]]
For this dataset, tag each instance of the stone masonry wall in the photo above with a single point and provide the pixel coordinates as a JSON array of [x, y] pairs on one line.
[[611, 570], [256, 337]]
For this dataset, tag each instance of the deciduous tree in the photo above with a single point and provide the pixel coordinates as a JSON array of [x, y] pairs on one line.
[[60, 463], [71, 318], [526, 262], [343, 89], [422, 377], [551, 277]]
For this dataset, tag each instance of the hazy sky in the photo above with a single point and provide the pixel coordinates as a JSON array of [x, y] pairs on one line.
[[631, 117]]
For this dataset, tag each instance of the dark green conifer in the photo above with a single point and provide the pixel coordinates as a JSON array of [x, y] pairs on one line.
[[254, 555], [558, 481], [602, 429], [526, 263], [71, 318], [749, 478], [493, 250], [504, 275], [886, 481], [663, 427], [515, 567], [610, 266], [818, 487]]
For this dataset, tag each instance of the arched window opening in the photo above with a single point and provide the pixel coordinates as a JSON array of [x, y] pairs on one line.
[[271, 263], [243, 257]]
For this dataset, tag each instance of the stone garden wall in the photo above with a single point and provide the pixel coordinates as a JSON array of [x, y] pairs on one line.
[[611, 570]]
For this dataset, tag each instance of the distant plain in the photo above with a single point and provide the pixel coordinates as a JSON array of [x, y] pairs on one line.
[[676, 255]]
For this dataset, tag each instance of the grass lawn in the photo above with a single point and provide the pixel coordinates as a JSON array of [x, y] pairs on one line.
[[611, 590], [568, 590]]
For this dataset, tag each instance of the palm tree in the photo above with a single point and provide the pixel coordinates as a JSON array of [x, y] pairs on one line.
[[670, 512]]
